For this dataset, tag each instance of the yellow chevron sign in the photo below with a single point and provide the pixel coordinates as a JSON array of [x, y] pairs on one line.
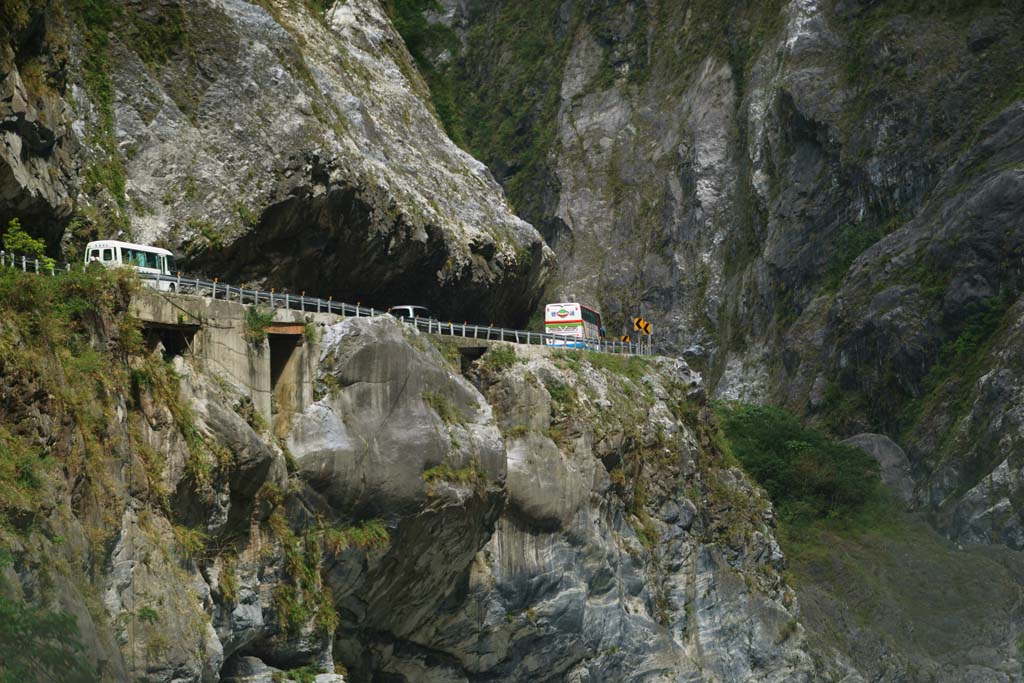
[[641, 325], [624, 338]]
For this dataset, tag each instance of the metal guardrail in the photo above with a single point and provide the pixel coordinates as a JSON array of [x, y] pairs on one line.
[[284, 300]]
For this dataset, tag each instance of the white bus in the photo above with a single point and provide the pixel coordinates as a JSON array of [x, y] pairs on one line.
[[572, 320], [145, 259]]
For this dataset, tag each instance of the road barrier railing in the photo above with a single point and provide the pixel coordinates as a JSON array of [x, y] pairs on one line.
[[306, 304]]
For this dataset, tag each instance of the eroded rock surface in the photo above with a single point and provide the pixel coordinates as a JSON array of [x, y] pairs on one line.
[[275, 143], [814, 202], [565, 518]]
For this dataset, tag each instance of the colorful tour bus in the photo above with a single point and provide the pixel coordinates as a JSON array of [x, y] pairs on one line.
[[145, 259], [572, 320]]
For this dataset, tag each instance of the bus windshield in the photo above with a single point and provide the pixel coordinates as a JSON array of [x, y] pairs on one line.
[[571, 320]]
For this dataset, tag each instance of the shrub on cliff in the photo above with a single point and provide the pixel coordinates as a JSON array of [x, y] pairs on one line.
[[36, 644], [808, 476], [17, 241]]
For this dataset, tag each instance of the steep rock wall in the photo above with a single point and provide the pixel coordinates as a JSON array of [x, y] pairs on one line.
[[278, 143], [571, 519], [812, 200]]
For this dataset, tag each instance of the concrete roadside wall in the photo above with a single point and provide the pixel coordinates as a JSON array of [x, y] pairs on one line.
[[276, 372]]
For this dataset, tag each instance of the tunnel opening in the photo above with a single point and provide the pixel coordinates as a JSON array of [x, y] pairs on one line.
[[356, 262], [469, 355], [282, 351], [171, 340], [289, 390]]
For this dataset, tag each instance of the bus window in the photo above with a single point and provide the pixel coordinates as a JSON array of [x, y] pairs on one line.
[[168, 264], [108, 254], [94, 254], [140, 259]]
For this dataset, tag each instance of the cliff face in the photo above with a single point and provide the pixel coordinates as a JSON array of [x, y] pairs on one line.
[[814, 201], [570, 519], [276, 143]]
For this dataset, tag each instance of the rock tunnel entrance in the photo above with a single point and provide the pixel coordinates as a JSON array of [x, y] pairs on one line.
[[358, 261], [286, 343], [172, 340]]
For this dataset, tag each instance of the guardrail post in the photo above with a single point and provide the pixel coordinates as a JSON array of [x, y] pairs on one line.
[[357, 309], [23, 268]]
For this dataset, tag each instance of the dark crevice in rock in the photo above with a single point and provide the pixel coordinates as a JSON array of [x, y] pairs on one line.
[[333, 243]]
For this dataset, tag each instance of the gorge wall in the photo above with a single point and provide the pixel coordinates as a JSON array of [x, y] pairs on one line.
[[560, 518], [277, 144], [815, 201]]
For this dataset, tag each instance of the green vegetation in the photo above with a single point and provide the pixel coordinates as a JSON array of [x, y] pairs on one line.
[[849, 243], [499, 98], [466, 476], [104, 172], [305, 596], [257, 320], [632, 367], [147, 615], [449, 351], [443, 406], [367, 535], [23, 471], [564, 396], [311, 332], [500, 357], [47, 342], [304, 674], [156, 35], [517, 432], [38, 645], [16, 14], [809, 477], [17, 241], [980, 324], [228, 581], [191, 541]]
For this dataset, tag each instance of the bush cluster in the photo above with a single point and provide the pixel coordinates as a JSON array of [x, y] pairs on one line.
[[807, 475]]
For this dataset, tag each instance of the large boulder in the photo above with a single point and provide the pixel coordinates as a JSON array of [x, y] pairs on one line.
[[893, 461], [391, 410]]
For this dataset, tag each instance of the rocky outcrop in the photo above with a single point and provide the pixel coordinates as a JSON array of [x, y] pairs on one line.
[[894, 466], [814, 202], [38, 168], [560, 551], [557, 518], [274, 143]]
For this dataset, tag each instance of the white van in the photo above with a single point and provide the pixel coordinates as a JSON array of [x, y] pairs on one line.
[[145, 259]]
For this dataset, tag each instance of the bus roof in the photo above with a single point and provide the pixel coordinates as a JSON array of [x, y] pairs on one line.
[[115, 243]]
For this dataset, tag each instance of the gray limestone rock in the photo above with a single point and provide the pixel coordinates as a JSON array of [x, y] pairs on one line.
[[895, 466]]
